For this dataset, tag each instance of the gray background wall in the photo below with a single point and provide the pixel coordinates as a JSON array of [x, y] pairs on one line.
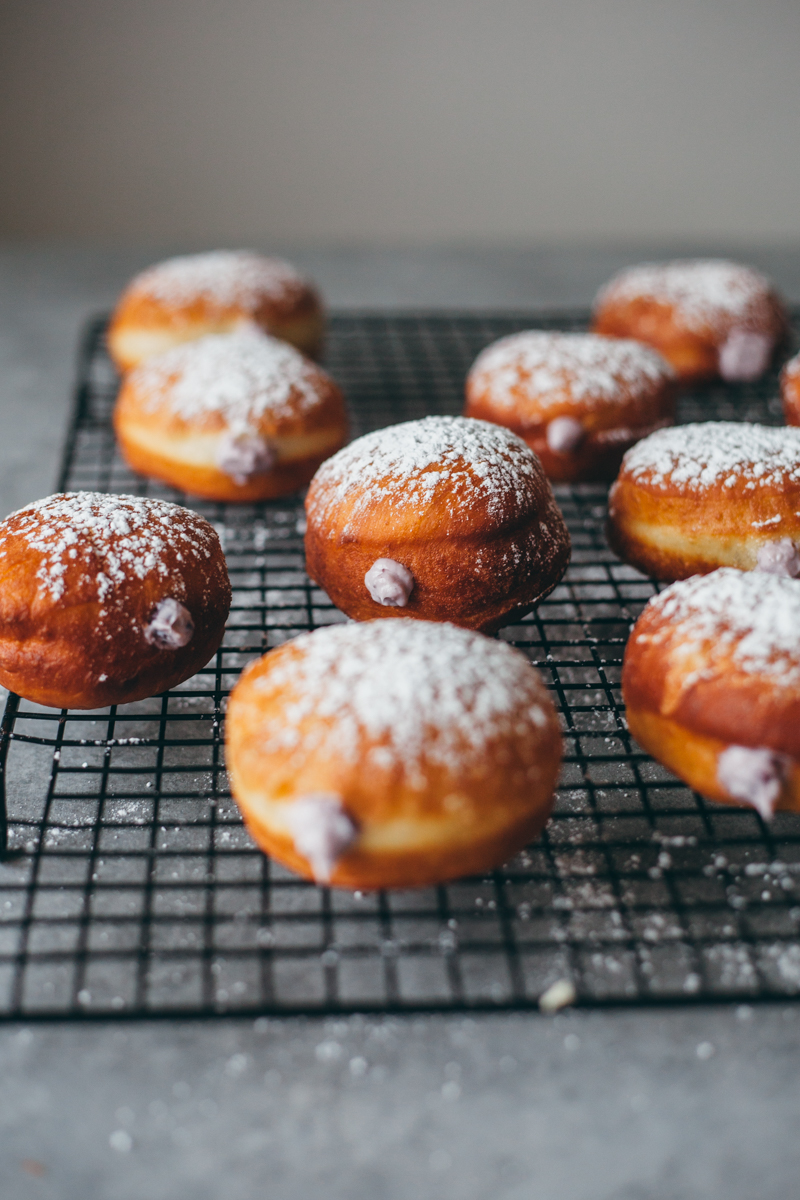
[[357, 121]]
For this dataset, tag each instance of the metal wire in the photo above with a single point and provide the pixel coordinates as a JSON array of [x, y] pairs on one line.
[[130, 886]]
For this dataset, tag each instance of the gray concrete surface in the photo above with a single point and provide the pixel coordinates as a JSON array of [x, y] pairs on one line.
[[595, 1106], [642, 1105]]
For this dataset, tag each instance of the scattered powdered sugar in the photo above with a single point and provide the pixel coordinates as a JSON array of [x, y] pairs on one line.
[[747, 616], [111, 537], [483, 463], [553, 367], [717, 452], [419, 690], [242, 376], [708, 294], [786, 960], [227, 278]]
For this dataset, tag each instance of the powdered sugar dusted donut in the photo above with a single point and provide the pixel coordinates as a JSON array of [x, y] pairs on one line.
[[462, 506], [696, 497], [198, 294], [707, 317], [392, 753], [107, 599], [236, 416], [711, 681], [577, 399]]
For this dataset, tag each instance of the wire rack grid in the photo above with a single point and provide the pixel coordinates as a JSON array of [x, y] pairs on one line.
[[130, 886]]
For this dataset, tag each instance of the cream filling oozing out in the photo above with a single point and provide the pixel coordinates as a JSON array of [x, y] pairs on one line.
[[754, 776], [779, 558], [321, 830], [389, 583], [202, 449], [171, 626], [745, 355], [725, 551], [563, 435], [244, 455]]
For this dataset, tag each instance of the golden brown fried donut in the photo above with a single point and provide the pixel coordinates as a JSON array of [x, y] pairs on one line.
[[392, 753], [790, 390], [707, 317], [578, 400], [711, 681], [442, 519], [107, 599], [237, 416], [197, 294], [696, 497]]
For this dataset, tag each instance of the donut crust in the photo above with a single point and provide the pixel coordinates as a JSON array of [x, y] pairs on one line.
[[465, 820], [157, 441], [670, 530], [693, 356], [685, 705], [146, 323], [611, 425], [79, 651], [477, 568], [670, 533], [691, 347], [693, 757]]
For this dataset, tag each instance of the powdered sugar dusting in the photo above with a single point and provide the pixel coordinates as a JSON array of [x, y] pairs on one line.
[[413, 690], [110, 537], [748, 617], [485, 464], [226, 278], [554, 367], [708, 294], [241, 376], [716, 452]]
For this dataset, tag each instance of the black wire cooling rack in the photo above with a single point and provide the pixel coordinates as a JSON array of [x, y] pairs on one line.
[[131, 887]]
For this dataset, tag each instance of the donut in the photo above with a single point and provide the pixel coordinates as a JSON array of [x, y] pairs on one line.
[[711, 681], [107, 599], [235, 416], [444, 519], [577, 399], [709, 318], [392, 753], [718, 494], [790, 390], [197, 294]]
